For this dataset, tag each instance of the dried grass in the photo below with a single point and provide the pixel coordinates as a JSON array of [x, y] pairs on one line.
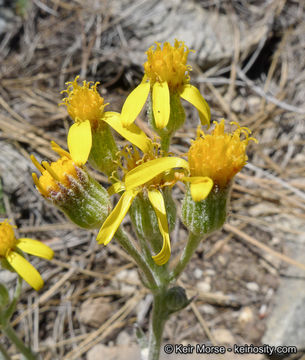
[[58, 40]]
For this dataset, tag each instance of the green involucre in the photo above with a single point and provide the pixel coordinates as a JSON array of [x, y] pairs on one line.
[[208, 215], [145, 221], [103, 151]]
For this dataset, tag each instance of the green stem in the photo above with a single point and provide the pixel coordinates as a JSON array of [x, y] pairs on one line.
[[165, 142], [3, 354], [11, 309], [122, 238], [188, 251], [157, 322], [25, 351]]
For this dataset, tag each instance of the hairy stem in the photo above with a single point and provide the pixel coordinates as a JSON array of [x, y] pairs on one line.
[[165, 142], [124, 241], [157, 322], [188, 251]]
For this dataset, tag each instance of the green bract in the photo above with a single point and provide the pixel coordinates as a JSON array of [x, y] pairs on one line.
[[205, 216]]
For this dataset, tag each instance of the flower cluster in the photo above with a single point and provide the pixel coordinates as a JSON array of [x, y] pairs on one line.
[[141, 177], [144, 172]]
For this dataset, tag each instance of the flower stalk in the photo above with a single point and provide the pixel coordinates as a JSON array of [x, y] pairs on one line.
[[158, 319], [9, 332], [127, 245], [188, 251]]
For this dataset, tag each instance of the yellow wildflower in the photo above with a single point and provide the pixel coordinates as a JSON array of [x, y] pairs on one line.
[[218, 156], [11, 250], [166, 73], [86, 108], [148, 177]]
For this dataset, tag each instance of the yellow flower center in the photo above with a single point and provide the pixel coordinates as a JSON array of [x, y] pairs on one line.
[[53, 176], [84, 102], [130, 158], [220, 155], [7, 238], [168, 64]]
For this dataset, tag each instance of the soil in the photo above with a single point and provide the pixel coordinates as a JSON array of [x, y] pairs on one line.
[[234, 282]]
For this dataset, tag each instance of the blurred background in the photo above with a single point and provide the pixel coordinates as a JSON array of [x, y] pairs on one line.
[[249, 64]]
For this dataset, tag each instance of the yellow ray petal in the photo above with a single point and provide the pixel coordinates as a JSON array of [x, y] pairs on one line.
[[80, 141], [200, 187], [115, 218], [147, 171], [39, 187], [25, 270], [60, 151], [132, 133], [116, 188], [134, 103], [161, 104], [36, 163], [157, 202], [35, 247], [192, 94]]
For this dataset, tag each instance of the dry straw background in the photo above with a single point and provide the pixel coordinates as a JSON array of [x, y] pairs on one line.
[[249, 278]]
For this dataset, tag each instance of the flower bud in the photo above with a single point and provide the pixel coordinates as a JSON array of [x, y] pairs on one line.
[[74, 191], [176, 299]]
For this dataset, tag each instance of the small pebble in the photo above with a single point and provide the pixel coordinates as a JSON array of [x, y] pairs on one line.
[[198, 273], [252, 286], [204, 286]]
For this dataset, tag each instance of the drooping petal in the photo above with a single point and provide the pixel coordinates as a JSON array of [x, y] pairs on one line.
[[132, 133], [161, 104], [25, 270], [200, 187], [134, 103], [80, 142], [147, 171], [116, 188], [115, 218], [35, 247], [157, 202], [191, 94]]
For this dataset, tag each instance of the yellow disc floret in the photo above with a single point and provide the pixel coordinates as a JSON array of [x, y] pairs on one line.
[[168, 64], [131, 159], [54, 175], [84, 102], [219, 156], [7, 238]]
